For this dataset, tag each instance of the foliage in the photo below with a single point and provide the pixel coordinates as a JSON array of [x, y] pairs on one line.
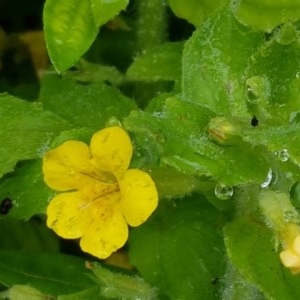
[[213, 114]]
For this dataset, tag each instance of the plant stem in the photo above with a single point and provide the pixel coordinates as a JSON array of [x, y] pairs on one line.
[[151, 25]]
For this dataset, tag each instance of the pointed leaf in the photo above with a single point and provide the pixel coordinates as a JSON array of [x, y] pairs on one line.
[[104, 11], [70, 29]]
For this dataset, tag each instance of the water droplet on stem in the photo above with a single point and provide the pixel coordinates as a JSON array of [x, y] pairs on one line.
[[270, 179], [223, 192], [283, 155]]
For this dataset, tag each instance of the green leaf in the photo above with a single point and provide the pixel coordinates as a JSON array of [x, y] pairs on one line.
[[70, 29], [87, 72], [88, 294], [273, 84], [250, 247], [20, 292], [122, 286], [25, 131], [213, 63], [179, 249], [27, 199], [178, 137], [31, 235], [271, 13], [83, 105], [51, 273], [160, 63], [104, 11], [195, 11]]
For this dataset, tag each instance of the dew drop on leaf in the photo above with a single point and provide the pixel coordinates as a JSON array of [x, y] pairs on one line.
[[283, 155], [270, 179], [223, 192], [113, 121], [251, 96]]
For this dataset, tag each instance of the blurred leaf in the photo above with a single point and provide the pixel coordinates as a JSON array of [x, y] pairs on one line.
[[31, 235], [25, 129], [51, 273], [195, 11], [27, 199], [70, 29], [271, 13], [104, 11], [84, 105], [214, 60], [250, 247], [180, 249], [160, 63]]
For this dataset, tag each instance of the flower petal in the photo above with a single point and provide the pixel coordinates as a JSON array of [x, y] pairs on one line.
[[139, 196], [64, 166], [289, 259], [111, 150], [68, 215], [107, 233]]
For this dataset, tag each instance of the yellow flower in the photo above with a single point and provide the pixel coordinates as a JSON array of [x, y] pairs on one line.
[[100, 194], [290, 256]]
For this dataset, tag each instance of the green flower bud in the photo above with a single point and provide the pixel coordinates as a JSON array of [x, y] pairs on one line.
[[224, 131]]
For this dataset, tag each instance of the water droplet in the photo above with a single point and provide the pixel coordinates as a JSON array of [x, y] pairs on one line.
[[270, 179], [113, 121], [283, 155], [251, 95], [223, 192], [257, 89], [298, 74]]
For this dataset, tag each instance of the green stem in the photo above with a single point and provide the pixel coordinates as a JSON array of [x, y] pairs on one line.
[[151, 27]]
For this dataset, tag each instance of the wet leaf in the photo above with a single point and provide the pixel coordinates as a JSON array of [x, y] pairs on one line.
[[25, 130], [70, 29]]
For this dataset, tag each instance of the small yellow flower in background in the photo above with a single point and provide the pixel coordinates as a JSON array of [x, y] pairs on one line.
[[290, 256], [100, 194], [282, 217]]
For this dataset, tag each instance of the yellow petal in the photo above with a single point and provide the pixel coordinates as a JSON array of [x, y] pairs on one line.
[[64, 167], [290, 259], [111, 150], [107, 233], [296, 245], [68, 214], [139, 196]]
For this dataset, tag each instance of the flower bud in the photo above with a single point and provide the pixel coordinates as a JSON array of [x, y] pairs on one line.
[[224, 131]]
